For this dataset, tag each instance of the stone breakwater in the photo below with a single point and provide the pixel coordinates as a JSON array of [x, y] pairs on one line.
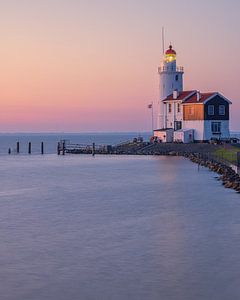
[[229, 178], [164, 149]]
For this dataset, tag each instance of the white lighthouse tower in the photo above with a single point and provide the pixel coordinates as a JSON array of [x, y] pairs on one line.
[[171, 79]]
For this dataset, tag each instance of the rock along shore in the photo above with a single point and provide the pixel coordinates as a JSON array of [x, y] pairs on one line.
[[230, 179]]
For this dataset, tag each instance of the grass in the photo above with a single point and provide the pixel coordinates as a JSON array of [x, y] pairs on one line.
[[228, 153]]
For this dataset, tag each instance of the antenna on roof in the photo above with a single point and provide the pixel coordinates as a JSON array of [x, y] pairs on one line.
[[163, 40]]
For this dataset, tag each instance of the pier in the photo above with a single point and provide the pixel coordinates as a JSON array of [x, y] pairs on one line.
[[64, 146], [135, 147]]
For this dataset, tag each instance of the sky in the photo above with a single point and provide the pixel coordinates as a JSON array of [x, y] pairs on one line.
[[88, 66]]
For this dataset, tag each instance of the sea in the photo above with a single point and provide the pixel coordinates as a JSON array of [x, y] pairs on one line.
[[113, 227]]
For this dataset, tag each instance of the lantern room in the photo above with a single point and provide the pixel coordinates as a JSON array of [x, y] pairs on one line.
[[170, 55]]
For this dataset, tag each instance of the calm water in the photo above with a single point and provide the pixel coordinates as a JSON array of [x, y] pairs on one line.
[[108, 227]]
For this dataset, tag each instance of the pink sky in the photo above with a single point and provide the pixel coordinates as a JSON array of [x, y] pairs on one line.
[[76, 66]]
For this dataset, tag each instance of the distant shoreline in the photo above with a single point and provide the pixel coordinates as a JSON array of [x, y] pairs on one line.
[[137, 133]]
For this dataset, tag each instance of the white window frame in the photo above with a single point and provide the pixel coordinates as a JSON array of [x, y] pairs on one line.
[[216, 127], [211, 110], [222, 110]]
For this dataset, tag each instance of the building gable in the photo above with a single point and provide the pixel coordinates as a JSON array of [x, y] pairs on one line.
[[216, 108], [213, 95]]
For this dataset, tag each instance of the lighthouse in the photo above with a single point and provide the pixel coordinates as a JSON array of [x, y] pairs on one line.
[[171, 79], [188, 116]]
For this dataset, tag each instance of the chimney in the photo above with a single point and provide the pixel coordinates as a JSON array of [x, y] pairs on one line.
[[198, 96], [175, 94]]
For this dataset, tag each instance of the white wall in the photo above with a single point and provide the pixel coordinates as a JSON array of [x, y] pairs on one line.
[[185, 136], [208, 129], [174, 115], [203, 129], [166, 136], [198, 127], [167, 84]]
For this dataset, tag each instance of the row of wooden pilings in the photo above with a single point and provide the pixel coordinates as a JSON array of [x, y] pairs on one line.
[[29, 148]]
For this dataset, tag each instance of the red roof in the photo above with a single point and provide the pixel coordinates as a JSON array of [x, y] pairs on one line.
[[203, 97], [170, 51], [181, 96], [191, 97]]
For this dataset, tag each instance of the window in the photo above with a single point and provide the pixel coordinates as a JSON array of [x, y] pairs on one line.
[[211, 110], [216, 127], [169, 107], [178, 108], [177, 125], [222, 110], [191, 110], [176, 77]]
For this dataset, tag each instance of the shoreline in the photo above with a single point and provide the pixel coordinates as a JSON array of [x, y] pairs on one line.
[[229, 178], [199, 153]]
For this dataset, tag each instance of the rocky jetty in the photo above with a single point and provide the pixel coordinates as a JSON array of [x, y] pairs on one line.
[[230, 179], [145, 148]]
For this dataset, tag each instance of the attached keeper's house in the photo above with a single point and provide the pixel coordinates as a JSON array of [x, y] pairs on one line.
[[187, 116]]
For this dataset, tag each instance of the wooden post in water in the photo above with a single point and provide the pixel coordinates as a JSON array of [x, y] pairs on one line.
[[18, 147], [58, 148], [9, 151], [42, 148], [93, 149], [29, 148], [63, 149]]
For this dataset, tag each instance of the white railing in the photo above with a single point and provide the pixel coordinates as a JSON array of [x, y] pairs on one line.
[[170, 69]]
